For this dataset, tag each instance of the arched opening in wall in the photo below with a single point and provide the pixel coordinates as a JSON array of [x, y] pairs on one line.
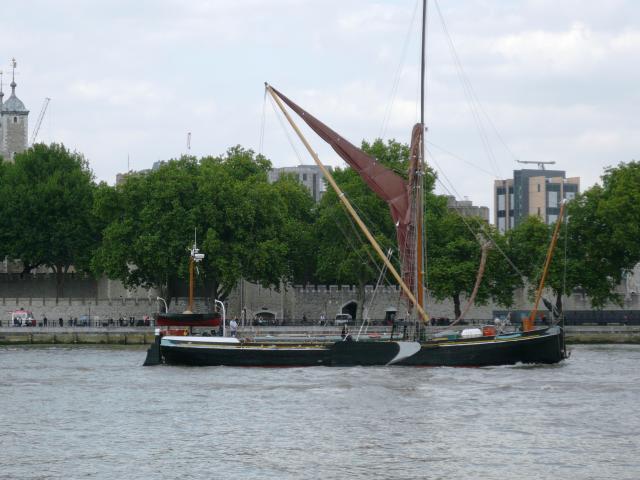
[[351, 308], [265, 317], [390, 315]]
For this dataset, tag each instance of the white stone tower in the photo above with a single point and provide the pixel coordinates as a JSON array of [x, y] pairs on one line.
[[14, 122]]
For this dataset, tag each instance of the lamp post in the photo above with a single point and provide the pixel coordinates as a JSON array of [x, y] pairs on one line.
[[166, 309], [195, 257], [218, 302]]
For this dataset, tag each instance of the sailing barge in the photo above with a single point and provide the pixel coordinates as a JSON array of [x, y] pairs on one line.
[[544, 346], [405, 200]]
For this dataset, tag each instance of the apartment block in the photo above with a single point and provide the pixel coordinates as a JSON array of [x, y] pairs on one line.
[[531, 192]]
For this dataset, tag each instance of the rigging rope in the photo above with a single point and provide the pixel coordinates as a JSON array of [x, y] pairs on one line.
[[263, 121], [484, 253], [365, 316], [348, 238], [457, 157], [473, 102], [555, 321], [480, 224], [398, 74], [284, 129]]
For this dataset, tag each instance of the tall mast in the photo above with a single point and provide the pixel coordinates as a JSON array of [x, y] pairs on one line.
[[422, 58], [194, 257], [419, 177]]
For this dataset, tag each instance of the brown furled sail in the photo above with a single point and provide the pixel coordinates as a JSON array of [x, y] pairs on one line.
[[388, 185]]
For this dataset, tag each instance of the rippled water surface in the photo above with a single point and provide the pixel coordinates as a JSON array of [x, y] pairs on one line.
[[97, 413]]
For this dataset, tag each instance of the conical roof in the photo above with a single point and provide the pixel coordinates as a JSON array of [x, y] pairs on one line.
[[14, 105]]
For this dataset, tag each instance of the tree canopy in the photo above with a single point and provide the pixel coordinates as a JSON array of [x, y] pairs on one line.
[[603, 233], [344, 256], [139, 231], [247, 227], [46, 199]]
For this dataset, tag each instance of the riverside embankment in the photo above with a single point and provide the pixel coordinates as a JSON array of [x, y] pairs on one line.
[[144, 335], [76, 335]]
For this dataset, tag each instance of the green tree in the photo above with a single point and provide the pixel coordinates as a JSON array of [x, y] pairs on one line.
[[454, 252], [600, 237], [298, 229], [240, 219], [243, 217], [603, 229], [344, 255], [46, 199], [151, 223]]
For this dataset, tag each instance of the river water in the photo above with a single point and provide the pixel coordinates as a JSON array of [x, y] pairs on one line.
[[68, 413]]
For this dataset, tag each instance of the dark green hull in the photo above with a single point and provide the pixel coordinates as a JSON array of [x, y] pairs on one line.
[[543, 346]]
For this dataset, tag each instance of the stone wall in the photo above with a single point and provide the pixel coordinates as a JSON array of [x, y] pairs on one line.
[[66, 308], [110, 299]]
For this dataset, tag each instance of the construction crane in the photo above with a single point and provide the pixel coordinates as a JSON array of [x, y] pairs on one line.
[[36, 129], [540, 164]]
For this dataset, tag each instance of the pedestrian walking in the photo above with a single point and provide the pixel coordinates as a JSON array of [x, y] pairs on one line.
[[234, 327]]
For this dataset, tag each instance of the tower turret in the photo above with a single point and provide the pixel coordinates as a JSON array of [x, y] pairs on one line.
[[14, 118]]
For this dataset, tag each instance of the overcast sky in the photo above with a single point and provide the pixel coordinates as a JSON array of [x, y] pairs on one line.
[[555, 80]]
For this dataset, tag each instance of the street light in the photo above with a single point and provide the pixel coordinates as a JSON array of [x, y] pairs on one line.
[[218, 302], [166, 309]]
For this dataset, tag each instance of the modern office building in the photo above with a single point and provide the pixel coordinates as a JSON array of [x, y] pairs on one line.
[[309, 175], [531, 192]]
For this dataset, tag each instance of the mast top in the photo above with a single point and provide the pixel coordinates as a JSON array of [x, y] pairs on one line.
[[423, 60]]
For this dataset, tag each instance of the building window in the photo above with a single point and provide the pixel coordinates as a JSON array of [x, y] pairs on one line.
[[552, 199], [501, 202], [501, 224], [538, 187], [570, 195], [552, 219], [304, 177], [15, 119], [539, 209]]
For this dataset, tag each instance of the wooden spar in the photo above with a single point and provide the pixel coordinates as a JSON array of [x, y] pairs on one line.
[[528, 323], [352, 212], [484, 252]]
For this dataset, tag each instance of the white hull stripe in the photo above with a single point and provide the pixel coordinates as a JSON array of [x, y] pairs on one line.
[[407, 349]]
